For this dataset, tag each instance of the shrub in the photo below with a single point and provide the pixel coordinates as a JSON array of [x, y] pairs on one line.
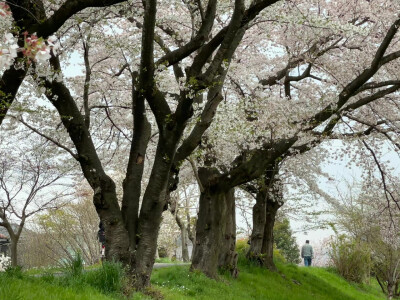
[[278, 256], [162, 252], [108, 279], [242, 246], [15, 272], [75, 266], [352, 259]]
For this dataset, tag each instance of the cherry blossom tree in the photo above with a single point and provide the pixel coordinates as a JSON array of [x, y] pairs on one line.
[[205, 51], [37, 21], [287, 124], [284, 76]]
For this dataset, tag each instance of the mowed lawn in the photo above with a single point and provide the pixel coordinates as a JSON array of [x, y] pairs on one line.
[[177, 282]]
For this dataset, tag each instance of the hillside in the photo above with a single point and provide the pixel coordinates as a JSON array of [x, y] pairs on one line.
[[292, 282], [176, 282]]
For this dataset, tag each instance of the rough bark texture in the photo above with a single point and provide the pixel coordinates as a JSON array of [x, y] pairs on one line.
[[228, 255], [185, 250], [134, 173], [267, 250], [257, 235], [154, 203], [14, 252], [268, 201], [215, 236]]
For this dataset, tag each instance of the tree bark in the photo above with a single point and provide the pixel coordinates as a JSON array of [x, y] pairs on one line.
[[259, 218], [215, 237], [14, 237], [154, 203], [267, 249], [134, 173], [228, 255], [184, 238], [117, 239], [390, 290], [268, 201], [14, 252]]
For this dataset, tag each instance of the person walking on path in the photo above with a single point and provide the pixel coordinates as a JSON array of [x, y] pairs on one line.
[[307, 253]]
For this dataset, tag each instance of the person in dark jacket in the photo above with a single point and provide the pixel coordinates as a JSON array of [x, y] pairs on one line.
[[307, 253]]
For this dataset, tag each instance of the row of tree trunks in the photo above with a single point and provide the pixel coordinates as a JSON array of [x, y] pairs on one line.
[[215, 229]]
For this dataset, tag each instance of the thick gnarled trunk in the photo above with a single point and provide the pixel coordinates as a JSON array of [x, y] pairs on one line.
[[215, 229], [117, 239], [267, 250], [153, 205], [228, 255], [257, 235], [264, 214]]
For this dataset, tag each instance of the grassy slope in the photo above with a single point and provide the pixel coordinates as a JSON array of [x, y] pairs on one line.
[[177, 283], [297, 283]]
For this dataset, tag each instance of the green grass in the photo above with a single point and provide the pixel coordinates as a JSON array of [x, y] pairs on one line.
[[50, 270], [291, 282], [177, 282], [106, 282], [38, 289], [165, 260]]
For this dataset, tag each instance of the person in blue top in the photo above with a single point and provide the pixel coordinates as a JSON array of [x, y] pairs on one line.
[[307, 253]]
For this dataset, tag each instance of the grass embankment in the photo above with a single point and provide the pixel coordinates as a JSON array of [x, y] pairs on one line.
[[291, 282]]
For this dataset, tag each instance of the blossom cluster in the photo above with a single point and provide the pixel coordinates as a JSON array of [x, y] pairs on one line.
[[8, 50], [35, 48], [4, 9]]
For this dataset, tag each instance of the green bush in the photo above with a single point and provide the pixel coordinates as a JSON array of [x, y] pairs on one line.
[[242, 246], [108, 279], [75, 266], [278, 256], [162, 252], [352, 259], [15, 272]]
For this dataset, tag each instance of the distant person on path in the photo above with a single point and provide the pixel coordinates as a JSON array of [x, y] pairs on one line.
[[307, 253]]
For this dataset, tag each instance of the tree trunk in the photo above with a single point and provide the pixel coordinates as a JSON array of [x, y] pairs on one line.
[[117, 240], [134, 173], [214, 238], [192, 238], [14, 237], [184, 239], [267, 249], [257, 235], [228, 255], [262, 238], [154, 203], [390, 290], [14, 252]]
